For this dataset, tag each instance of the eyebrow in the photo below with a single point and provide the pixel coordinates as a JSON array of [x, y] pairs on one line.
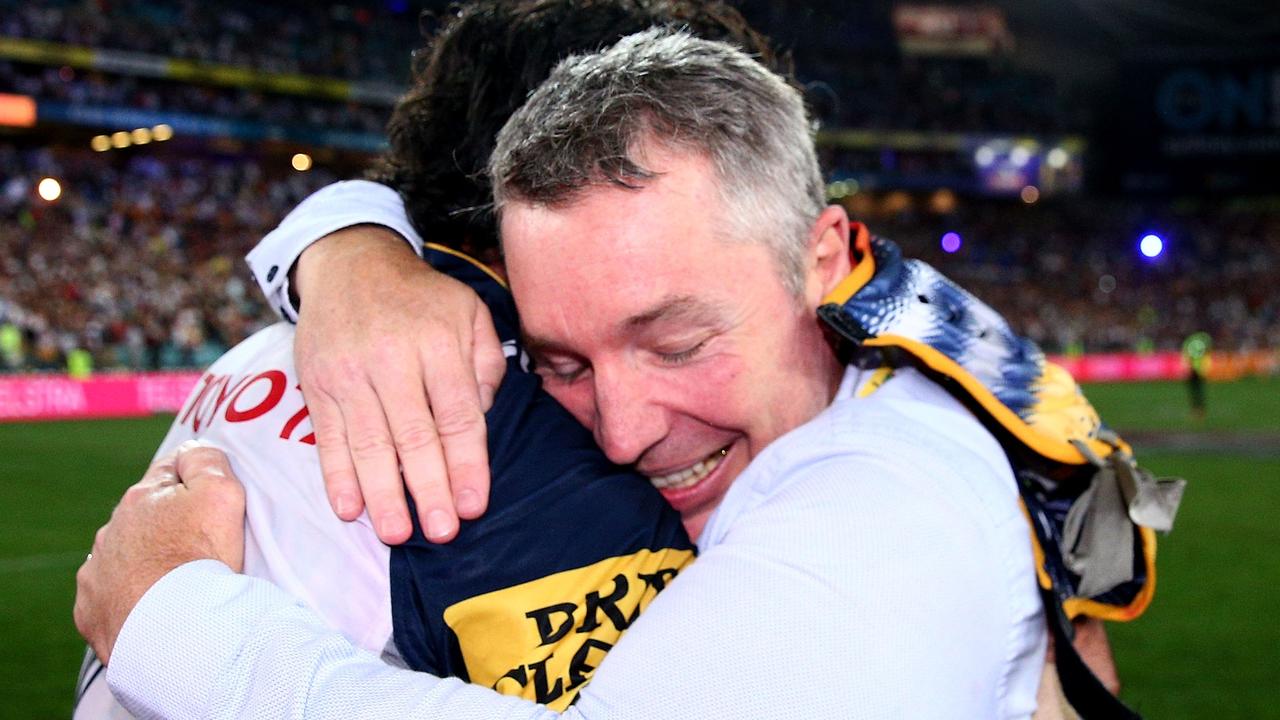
[[675, 308], [540, 347], [682, 308]]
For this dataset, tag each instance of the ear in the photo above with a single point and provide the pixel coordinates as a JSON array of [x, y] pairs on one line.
[[828, 260]]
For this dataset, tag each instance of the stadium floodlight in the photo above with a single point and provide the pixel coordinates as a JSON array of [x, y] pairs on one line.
[[951, 242], [943, 201], [141, 136], [161, 132], [121, 139], [49, 189], [17, 110], [1057, 158], [301, 162], [1151, 245], [100, 143]]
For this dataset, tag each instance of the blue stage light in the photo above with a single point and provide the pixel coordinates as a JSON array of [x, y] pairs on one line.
[[1151, 245]]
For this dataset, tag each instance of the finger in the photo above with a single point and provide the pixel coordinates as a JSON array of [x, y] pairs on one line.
[[202, 466], [490, 362], [339, 471], [216, 497], [418, 446], [455, 405], [99, 542], [377, 469], [163, 471]]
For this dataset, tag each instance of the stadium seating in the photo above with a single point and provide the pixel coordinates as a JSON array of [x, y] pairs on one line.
[[1071, 275], [139, 260]]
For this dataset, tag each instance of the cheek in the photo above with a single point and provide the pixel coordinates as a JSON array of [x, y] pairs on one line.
[[713, 391]]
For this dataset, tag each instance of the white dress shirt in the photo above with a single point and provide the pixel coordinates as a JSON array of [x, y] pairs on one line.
[[873, 563]]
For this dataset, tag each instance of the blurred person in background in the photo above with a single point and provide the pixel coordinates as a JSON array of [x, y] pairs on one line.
[[1195, 352]]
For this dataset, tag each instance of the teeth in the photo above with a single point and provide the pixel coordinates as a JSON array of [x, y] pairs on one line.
[[690, 476]]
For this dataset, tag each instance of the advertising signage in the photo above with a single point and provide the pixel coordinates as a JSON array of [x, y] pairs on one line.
[[1199, 126]]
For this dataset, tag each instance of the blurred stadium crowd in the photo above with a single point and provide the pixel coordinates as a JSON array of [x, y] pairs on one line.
[[328, 39], [138, 260], [68, 85], [1070, 275], [372, 42], [139, 263]]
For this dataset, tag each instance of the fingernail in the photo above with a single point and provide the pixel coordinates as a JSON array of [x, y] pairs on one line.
[[439, 524], [468, 502], [391, 526], [345, 504]]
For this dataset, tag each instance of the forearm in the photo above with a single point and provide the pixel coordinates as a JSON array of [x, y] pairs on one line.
[[206, 642], [761, 626], [367, 245], [328, 210]]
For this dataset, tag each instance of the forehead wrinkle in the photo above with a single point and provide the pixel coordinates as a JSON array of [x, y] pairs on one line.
[[686, 308], [540, 344]]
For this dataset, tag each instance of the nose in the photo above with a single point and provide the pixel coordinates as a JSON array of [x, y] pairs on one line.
[[629, 418]]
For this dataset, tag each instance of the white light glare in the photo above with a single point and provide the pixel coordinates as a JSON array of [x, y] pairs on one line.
[[1151, 245], [49, 189]]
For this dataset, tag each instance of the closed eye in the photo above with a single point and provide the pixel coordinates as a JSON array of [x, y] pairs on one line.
[[682, 356], [561, 371]]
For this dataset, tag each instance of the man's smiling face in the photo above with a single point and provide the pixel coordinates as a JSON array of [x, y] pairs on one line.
[[679, 347]]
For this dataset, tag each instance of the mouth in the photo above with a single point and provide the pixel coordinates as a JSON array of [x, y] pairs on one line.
[[691, 475]]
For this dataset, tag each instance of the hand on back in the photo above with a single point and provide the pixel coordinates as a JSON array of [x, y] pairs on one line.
[[398, 364]]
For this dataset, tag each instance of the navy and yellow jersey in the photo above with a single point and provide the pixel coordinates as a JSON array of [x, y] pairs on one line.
[[530, 597]]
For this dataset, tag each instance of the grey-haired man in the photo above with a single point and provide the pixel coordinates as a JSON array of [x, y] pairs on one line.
[[862, 550]]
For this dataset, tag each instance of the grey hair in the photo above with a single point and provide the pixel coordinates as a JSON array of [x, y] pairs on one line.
[[585, 124]]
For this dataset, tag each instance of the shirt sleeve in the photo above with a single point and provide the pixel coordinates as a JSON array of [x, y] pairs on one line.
[[225, 627], [332, 208], [769, 623]]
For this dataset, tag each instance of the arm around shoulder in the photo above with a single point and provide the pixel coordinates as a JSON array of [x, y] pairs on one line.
[[326, 211], [208, 643]]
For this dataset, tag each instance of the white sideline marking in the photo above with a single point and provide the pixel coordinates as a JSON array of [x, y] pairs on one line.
[[40, 562]]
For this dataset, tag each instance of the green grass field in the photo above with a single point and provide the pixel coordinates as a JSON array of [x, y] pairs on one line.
[[1209, 647]]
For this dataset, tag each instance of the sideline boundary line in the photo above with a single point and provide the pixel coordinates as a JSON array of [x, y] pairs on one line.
[[43, 561]]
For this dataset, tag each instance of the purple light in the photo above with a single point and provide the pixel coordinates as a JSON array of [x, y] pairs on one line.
[[1151, 246], [951, 242]]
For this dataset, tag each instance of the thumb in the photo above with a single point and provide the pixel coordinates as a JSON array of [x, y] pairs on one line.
[[202, 466], [215, 493], [490, 363]]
